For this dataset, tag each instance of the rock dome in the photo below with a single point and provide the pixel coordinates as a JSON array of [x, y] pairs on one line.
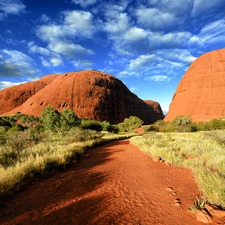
[[200, 93], [90, 94]]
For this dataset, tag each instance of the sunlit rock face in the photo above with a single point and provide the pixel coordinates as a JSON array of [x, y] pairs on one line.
[[15, 96], [90, 94], [200, 93]]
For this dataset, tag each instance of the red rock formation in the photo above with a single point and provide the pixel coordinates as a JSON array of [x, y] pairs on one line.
[[200, 93], [93, 95], [15, 96]]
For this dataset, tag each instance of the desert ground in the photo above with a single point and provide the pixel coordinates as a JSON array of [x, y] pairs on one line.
[[112, 184]]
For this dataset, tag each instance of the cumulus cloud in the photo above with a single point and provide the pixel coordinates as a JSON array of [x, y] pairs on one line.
[[126, 38], [155, 19], [60, 37], [75, 24], [69, 49], [141, 61], [48, 58], [118, 24], [8, 7], [14, 63]]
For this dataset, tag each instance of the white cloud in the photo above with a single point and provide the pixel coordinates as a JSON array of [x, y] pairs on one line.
[[126, 38], [6, 84], [36, 49], [60, 37], [50, 58], [210, 34], [11, 7], [155, 19], [78, 23], [83, 64], [158, 78], [141, 61], [177, 55], [16, 64], [214, 27], [84, 3], [201, 7], [126, 73], [170, 40], [135, 34], [69, 49], [117, 25]]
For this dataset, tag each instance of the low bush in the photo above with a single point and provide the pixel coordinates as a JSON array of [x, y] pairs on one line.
[[91, 125], [130, 124]]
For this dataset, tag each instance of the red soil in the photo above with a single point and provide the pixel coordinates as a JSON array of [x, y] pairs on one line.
[[116, 184]]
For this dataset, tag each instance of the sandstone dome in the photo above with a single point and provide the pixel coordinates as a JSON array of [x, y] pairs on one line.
[[90, 94], [15, 96], [200, 93]]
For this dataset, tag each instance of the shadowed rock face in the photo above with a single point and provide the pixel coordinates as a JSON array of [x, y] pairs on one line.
[[90, 94], [200, 93]]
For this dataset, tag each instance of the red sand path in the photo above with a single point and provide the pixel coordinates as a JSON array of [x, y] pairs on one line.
[[116, 184]]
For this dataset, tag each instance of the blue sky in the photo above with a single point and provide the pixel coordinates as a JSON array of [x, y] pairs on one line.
[[148, 44]]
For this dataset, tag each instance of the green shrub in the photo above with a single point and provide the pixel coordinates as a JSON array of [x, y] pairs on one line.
[[106, 126], [130, 124], [50, 118], [2, 135], [68, 119], [91, 125], [152, 128]]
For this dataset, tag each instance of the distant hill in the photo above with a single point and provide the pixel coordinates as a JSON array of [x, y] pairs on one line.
[[200, 93], [90, 94]]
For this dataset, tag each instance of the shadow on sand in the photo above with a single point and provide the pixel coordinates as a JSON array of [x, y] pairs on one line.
[[66, 197]]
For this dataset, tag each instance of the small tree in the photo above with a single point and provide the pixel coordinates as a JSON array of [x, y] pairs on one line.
[[50, 118], [68, 119], [130, 123], [29, 121]]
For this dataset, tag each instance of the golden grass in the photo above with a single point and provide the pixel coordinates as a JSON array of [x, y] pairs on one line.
[[202, 152], [44, 156]]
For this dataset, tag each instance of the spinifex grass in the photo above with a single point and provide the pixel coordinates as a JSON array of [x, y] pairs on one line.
[[202, 152]]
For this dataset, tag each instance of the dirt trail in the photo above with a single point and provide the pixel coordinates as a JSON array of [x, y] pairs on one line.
[[116, 184]]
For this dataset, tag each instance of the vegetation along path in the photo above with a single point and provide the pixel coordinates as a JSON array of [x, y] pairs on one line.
[[115, 184]]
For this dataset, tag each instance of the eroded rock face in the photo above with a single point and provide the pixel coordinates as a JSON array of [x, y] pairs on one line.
[[200, 93], [93, 95]]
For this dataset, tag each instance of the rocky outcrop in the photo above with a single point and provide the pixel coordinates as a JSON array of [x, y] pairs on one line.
[[90, 94], [200, 93], [15, 96]]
